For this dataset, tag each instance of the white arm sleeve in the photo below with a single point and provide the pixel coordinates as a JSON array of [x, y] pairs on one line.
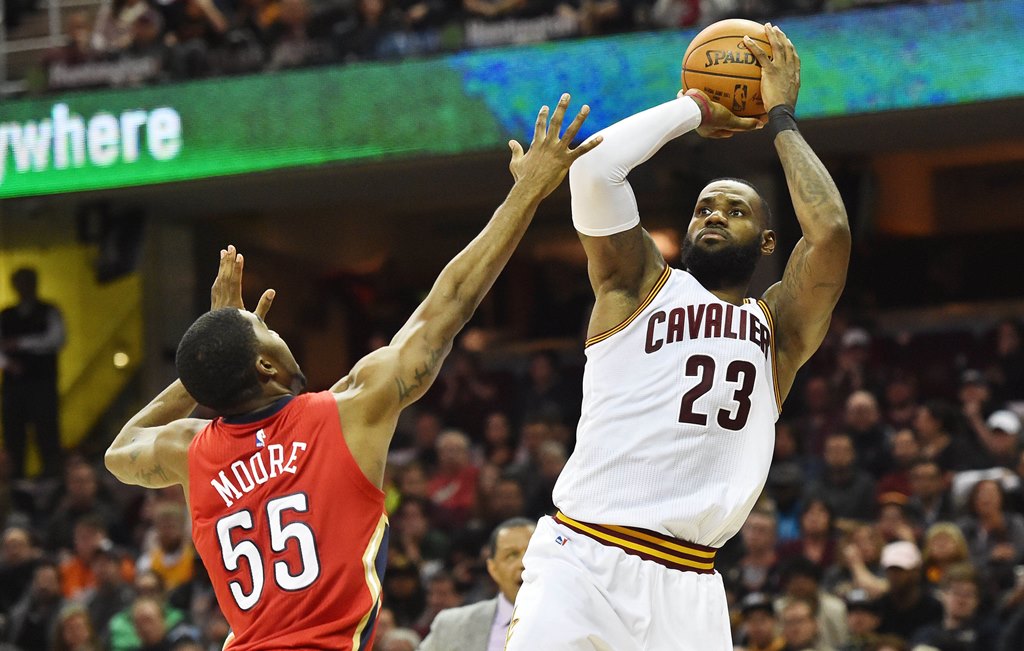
[[602, 201]]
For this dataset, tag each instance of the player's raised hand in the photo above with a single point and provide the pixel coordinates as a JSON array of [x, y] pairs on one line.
[[716, 120], [549, 157], [227, 287], [780, 73]]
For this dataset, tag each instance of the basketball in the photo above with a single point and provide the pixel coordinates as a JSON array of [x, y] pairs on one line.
[[719, 63]]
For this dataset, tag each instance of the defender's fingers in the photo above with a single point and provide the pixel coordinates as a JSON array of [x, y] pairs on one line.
[[587, 146], [540, 129], [556, 120], [574, 128], [265, 302], [517, 150]]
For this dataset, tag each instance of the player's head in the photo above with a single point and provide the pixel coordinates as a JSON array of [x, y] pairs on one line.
[[25, 282], [505, 554], [728, 234], [229, 357]]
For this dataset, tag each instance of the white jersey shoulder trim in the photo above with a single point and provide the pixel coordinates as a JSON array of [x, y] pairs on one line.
[[662, 279]]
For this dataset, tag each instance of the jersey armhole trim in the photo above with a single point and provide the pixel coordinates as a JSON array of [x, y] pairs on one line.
[[775, 366], [662, 279]]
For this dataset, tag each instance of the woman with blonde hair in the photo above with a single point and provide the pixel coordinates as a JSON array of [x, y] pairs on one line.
[[944, 545], [75, 631]]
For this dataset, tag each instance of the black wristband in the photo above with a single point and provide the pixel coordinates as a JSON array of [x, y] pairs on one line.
[[781, 118]]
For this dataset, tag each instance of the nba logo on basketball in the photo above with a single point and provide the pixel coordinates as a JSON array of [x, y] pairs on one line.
[[261, 438], [739, 98]]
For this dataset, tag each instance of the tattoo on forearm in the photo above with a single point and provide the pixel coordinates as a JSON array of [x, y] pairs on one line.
[[421, 375], [146, 476], [811, 180]]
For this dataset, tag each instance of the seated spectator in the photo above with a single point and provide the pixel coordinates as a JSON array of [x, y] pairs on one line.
[[817, 541], [113, 31], [994, 535], [121, 634], [546, 395], [818, 417], [170, 554], [801, 582], [907, 606], [800, 627], [76, 573], [901, 402], [442, 594], [151, 626], [862, 420], [894, 519], [467, 394], [788, 450], [785, 488], [111, 592], [453, 486], [942, 440], [844, 485], [675, 13], [81, 497], [944, 547], [413, 538], [756, 570], [506, 501], [552, 458], [19, 557], [860, 564], [399, 639], [999, 435], [903, 452], [33, 620], [600, 16], [403, 591], [498, 446], [759, 627], [929, 499], [78, 46], [75, 631], [963, 627], [1008, 366], [862, 619], [375, 21]]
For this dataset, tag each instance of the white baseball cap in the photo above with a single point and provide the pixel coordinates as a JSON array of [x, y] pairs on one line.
[[1004, 420], [902, 554]]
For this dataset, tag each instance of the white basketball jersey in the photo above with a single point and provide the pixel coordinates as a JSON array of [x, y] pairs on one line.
[[678, 423]]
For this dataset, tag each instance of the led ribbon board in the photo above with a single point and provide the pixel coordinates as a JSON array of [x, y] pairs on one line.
[[894, 58]]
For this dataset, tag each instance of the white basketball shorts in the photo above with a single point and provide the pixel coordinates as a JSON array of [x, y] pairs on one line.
[[579, 594]]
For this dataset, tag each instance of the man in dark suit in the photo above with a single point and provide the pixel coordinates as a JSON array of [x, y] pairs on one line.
[[482, 626]]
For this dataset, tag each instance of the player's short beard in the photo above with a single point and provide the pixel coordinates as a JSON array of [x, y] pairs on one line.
[[724, 267]]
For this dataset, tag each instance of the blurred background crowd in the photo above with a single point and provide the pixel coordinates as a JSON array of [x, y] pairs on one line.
[[138, 42], [892, 514]]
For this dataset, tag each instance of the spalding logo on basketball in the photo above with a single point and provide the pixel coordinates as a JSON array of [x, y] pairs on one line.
[[719, 63]]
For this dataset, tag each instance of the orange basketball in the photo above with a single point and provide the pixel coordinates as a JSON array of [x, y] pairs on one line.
[[719, 63]]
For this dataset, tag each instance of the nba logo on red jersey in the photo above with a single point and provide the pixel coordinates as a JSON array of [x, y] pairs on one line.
[[261, 438]]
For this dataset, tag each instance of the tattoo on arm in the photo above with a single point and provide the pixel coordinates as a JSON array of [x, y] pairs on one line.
[[146, 475], [421, 375], [812, 182]]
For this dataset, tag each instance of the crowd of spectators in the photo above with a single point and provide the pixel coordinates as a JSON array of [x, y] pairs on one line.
[[138, 42], [893, 513]]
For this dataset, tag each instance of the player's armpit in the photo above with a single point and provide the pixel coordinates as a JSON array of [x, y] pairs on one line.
[[622, 269], [153, 457]]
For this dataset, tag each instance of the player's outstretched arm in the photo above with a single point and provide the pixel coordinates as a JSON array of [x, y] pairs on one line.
[[623, 261], [395, 376], [815, 275], [151, 450]]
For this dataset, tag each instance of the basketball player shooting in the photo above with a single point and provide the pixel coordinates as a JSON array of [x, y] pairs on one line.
[[284, 487], [683, 383]]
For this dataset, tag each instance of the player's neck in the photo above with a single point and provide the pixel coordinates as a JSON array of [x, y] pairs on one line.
[[260, 402], [734, 295]]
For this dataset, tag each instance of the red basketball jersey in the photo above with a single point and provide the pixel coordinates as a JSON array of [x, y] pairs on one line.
[[292, 533]]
